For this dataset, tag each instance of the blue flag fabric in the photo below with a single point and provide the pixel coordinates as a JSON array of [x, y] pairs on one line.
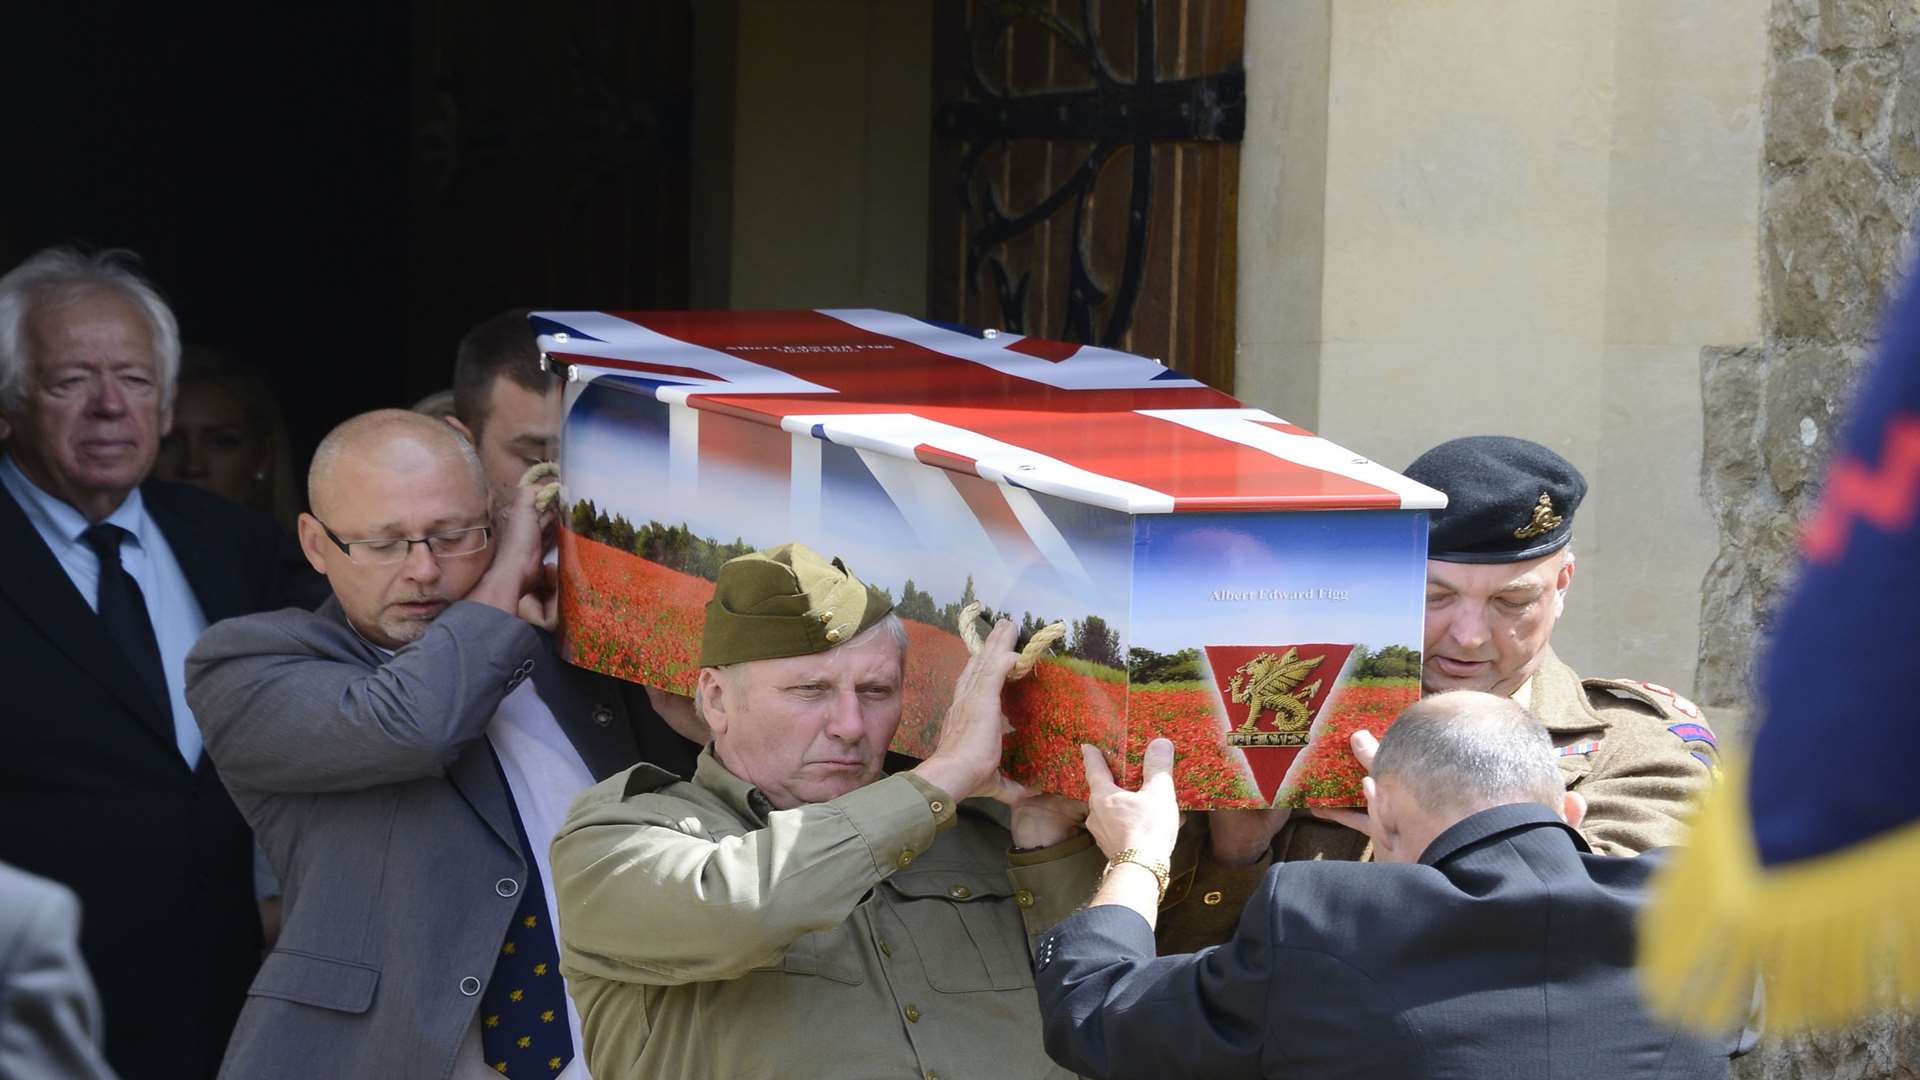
[[1803, 865], [1831, 762]]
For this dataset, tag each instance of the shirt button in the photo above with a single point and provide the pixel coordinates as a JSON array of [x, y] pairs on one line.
[[905, 858], [506, 886], [1024, 898], [913, 1014], [885, 949], [959, 892], [1211, 898], [469, 986], [602, 715], [931, 1075], [937, 806]]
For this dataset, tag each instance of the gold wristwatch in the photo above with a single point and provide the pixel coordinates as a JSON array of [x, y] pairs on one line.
[[1161, 872]]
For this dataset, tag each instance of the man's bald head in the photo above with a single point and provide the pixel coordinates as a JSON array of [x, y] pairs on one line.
[[388, 439], [382, 486], [1466, 751]]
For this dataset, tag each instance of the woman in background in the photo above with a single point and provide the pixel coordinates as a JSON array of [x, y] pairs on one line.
[[229, 437]]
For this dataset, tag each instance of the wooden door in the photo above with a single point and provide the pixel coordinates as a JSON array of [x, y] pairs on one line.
[[1086, 173]]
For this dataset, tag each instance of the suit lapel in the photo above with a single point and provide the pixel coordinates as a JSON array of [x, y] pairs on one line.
[[35, 581], [477, 778], [207, 562], [204, 554], [606, 746], [1561, 702]]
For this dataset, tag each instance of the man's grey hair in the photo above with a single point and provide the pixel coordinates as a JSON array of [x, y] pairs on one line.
[[889, 625], [61, 275], [1466, 751]]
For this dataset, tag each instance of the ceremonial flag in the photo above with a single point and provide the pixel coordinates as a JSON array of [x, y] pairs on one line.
[[1804, 864]]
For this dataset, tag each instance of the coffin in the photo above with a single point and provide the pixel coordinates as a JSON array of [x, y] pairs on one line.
[[1227, 579]]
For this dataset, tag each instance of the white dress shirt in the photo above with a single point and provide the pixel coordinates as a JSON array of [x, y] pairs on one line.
[[171, 605]]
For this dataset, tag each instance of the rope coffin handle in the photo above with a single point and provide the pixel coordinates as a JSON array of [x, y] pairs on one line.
[[544, 475], [1042, 642]]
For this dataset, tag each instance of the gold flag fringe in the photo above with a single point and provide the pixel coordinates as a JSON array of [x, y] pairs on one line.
[[1836, 936]]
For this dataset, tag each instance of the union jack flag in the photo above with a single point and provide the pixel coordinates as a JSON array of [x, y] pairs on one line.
[[1089, 424]]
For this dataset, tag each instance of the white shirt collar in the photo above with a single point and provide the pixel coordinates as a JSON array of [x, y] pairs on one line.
[[54, 516]]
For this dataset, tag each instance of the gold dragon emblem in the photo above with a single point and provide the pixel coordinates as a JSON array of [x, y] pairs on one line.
[[1544, 520], [1270, 683]]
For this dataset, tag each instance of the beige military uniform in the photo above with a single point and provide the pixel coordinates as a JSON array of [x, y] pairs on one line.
[[1639, 753], [705, 934]]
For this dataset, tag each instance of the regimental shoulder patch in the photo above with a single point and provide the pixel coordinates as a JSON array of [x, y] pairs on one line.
[[1686, 708], [1699, 732], [1574, 749], [1653, 695]]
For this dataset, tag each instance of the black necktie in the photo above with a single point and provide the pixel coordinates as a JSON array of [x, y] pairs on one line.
[[124, 611]]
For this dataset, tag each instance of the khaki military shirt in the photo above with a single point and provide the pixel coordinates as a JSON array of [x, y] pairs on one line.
[[885, 933], [1640, 754]]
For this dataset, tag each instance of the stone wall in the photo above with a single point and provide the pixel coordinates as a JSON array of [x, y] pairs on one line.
[[1528, 225], [1840, 179]]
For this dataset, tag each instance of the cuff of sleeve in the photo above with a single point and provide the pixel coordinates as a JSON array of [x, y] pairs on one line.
[[467, 619], [1051, 883], [1036, 856], [939, 802], [896, 818]]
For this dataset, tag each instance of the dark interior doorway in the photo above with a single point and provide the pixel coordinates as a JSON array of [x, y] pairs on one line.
[[335, 193]]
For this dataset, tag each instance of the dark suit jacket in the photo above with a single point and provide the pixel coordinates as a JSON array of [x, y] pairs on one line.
[[375, 793], [1505, 954], [94, 793]]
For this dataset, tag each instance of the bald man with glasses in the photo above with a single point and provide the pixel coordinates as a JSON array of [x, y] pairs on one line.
[[404, 755]]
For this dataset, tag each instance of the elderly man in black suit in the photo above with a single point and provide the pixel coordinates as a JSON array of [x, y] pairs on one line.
[[1491, 944], [106, 579]]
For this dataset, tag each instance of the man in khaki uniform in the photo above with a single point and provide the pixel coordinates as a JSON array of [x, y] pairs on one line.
[[1498, 570], [798, 908]]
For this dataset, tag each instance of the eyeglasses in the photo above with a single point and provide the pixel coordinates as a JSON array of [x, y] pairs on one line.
[[386, 552]]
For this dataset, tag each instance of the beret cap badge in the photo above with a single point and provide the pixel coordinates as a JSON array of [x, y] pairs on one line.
[[1508, 499], [1544, 520]]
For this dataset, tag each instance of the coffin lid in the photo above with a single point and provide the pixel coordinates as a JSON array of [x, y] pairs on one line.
[[1080, 422]]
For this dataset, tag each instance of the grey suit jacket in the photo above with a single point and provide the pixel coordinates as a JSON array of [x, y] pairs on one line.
[[49, 1015], [374, 793]]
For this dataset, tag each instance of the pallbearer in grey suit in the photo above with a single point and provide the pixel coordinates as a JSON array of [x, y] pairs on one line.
[[404, 754]]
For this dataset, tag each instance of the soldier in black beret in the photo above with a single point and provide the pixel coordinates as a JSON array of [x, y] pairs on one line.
[[1499, 563], [1498, 560]]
